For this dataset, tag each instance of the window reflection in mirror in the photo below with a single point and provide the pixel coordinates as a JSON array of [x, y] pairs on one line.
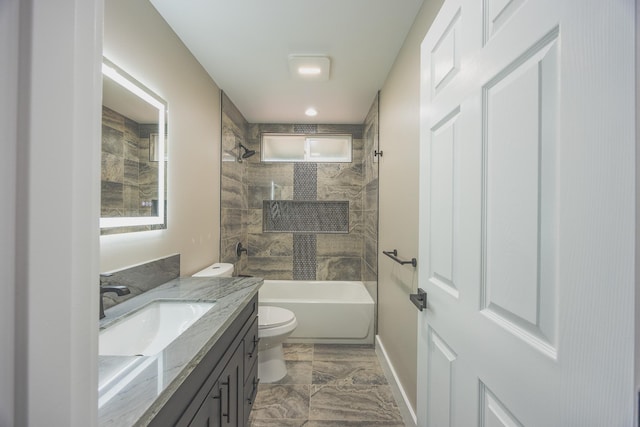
[[133, 178]]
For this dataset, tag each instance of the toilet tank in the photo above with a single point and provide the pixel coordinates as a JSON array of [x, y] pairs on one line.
[[219, 269]]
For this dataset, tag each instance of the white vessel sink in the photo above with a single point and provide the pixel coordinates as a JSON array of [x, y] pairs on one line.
[[150, 329]]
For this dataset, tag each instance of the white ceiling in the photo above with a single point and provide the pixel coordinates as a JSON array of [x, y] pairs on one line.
[[245, 44]]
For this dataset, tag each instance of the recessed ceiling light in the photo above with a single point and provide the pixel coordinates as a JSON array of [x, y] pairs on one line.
[[311, 112], [309, 68], [310, 71]]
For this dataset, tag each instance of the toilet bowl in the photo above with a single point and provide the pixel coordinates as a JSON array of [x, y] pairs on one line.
[[275, 324]]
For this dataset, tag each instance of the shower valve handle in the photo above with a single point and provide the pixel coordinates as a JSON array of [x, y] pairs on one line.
[[240, 249]]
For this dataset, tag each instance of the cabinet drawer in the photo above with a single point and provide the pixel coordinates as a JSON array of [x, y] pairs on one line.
[[250, 348], [250, 392]]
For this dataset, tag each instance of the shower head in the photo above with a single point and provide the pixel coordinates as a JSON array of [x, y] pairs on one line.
[[247, 153]]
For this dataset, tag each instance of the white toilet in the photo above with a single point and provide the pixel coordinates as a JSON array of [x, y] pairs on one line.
[[275, 324], [220, 269]]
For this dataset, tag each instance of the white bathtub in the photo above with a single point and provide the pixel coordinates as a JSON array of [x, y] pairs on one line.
[[327, 311]]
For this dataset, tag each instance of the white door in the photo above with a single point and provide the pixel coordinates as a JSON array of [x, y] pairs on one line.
[[527, 214]]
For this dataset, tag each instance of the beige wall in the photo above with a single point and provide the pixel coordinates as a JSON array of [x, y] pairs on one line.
[[156, 57], [399, 141]]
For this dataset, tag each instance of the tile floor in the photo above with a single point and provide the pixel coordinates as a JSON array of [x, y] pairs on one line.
[[327, 386]]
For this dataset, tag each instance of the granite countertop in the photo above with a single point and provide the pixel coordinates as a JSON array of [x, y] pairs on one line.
[[134, 388]]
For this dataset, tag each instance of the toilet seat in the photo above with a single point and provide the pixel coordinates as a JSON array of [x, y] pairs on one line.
[[272, 317]]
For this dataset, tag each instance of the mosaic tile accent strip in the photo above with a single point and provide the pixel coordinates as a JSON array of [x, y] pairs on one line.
[[304, 257], [305, 181], [305, 128], [297, 216]]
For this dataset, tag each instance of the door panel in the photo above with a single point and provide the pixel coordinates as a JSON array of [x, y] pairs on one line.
[[492, 412], [445, 56], [440, 381], [519, 197], [497, 13], [443, 170]]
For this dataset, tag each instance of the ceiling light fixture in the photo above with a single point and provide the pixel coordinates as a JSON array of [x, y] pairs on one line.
[[309, 68], [311, 112]]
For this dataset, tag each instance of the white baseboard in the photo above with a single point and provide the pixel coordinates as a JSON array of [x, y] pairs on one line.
[[408, 414]]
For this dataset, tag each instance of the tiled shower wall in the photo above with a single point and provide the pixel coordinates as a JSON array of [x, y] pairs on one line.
[[234, 193], [304, 256]]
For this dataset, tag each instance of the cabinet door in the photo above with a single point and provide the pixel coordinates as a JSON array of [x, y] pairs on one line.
[[250, 392], [209, 414], [250, 348], [231, 387]]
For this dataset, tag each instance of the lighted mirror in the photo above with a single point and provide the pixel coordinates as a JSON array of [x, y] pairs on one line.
[[133, 184], [316, 148]]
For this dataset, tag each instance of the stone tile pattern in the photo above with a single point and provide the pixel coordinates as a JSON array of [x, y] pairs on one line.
[[233, 185], [128, 179], [295, 181], [328, 385], [247, 184], [140, 278]]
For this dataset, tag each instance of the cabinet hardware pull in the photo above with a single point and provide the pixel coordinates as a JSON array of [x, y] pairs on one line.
[[256, 340], [254, 392], [227, 383]]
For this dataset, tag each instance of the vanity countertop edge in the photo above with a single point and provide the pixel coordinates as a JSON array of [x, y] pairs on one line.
[[158, 377]]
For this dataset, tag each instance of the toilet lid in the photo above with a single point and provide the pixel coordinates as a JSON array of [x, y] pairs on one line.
[[269, 317]]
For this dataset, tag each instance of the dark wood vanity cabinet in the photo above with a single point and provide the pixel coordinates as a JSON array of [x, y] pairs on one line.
[[222, 406], [220, 391]]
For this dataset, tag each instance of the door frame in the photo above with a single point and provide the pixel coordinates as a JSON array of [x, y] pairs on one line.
[[55, 52]]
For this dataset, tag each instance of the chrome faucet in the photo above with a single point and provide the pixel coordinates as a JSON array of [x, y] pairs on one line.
[[120, 290]]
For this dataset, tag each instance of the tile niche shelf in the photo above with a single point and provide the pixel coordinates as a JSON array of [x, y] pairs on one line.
[[305, 216]]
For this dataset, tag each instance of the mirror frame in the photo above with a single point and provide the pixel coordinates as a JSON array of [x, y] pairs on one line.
[[115, 73]]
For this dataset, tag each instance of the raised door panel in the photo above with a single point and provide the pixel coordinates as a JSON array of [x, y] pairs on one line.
[[519, 197], [440, 366], [444, 166], [445, 56], [493, 413], [496, 14]]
